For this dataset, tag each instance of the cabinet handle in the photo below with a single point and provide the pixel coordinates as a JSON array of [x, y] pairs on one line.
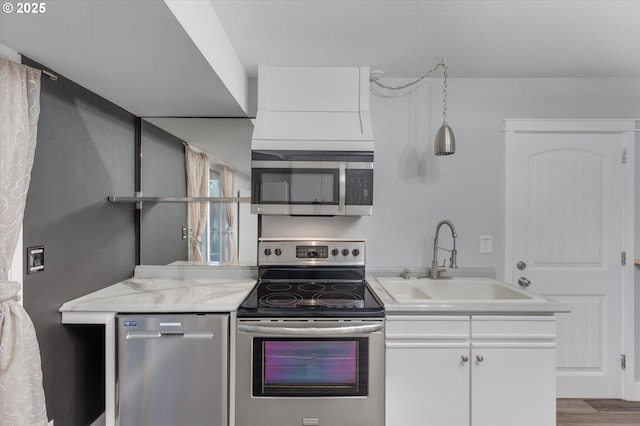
[[464, 358], [479, 358]]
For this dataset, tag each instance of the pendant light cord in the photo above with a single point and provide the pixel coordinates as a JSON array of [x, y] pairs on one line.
[[444, 91], [442, 64], [417, 80], [445, 141]]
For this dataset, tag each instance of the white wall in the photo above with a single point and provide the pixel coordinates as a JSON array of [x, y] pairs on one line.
[[413, 189]]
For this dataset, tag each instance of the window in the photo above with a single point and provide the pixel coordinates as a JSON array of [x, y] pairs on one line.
[[218, 242], [217, 219]]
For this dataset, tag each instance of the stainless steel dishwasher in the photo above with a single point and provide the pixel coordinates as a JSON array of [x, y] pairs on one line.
[[172, 370]]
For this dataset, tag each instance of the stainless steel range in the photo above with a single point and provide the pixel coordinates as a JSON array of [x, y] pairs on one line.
[[310, 341]]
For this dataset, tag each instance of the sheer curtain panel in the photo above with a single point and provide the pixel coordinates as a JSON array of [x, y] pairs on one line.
[[226, 181], [22, 399], [197, 165]]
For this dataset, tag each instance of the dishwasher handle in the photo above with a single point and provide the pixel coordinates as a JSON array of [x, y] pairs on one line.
[[289, 331], [159, 334]]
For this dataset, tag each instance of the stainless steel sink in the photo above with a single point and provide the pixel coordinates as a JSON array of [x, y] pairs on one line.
[[416, 290]]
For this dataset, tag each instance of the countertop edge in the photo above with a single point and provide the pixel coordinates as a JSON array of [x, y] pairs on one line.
[[162, 295]]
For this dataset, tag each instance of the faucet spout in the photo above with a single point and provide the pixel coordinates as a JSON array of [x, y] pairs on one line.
[[435, 269]]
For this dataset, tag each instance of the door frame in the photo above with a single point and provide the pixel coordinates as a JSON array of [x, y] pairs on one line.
[[627, 128]]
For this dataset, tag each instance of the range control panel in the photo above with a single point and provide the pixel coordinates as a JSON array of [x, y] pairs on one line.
[[311, 252]]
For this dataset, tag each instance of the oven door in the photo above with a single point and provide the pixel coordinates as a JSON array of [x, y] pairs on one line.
[[310, 371], [298, 187], [310, 366]]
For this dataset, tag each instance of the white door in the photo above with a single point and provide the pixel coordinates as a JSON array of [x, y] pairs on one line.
[[565, 225]]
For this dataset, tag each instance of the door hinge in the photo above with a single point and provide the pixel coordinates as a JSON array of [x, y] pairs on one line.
[[624, 156], [623, 361], [623, 258]]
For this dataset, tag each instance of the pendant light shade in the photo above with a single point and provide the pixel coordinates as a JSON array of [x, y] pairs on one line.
[[445, 143]]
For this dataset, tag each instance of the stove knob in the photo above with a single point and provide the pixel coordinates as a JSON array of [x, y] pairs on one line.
[[278, 252], [355, 252], [267, 251], [335, 252], [345, 252]]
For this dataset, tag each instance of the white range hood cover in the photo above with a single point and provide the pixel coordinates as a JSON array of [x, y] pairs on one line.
[[304, 108]]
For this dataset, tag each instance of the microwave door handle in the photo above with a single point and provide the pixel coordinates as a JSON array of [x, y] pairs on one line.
[[312, 331], [343, 187]]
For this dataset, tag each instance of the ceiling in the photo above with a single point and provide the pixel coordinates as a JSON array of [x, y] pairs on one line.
[[479, 38], [139, 55]]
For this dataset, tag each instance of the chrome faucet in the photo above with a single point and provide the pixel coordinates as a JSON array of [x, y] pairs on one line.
[[435, 269]]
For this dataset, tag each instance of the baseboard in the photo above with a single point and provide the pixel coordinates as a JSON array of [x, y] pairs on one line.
[[100, 421]]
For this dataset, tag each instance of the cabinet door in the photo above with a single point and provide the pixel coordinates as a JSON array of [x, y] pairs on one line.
[[511, 387], [427, 371], [427, 386], [513, 380]]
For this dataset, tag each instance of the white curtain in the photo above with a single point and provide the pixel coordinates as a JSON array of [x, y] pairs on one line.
[[22, 399], [226, 182], [197, 165]]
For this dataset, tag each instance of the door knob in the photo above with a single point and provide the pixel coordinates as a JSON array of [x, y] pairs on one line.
[[464, 358], [521, 265], [523, 282], [479, 358]]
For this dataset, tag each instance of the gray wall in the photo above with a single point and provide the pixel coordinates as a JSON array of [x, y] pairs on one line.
[[84, 153], [163, 174]]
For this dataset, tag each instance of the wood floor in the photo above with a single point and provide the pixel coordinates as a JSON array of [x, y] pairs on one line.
[[597, 412]]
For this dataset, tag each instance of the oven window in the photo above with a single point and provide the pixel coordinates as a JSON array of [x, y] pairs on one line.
[[296, 186], [310, 366]]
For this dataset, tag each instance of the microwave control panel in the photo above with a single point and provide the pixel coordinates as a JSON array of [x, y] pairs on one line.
[[359, 188]]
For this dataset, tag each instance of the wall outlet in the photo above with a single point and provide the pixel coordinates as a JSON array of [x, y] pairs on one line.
[[486, 243]]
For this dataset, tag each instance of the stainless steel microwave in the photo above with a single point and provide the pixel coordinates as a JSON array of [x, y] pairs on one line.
[[312, 183]]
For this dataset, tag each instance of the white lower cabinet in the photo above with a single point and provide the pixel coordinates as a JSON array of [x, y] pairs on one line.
[[470, 370]]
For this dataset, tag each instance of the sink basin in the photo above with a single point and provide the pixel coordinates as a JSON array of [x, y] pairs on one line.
[[455, 289]]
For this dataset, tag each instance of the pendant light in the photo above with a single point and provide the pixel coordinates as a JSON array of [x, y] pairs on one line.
[[445, 143]]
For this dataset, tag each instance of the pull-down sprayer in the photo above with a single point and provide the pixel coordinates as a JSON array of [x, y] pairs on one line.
[[454, 253]]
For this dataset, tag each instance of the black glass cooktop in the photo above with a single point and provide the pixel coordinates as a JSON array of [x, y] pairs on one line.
[[293, 298]]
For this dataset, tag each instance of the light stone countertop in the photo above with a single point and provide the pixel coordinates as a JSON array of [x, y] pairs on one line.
[[164, 294], [182, 288]]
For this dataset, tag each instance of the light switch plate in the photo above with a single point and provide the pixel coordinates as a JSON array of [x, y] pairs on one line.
[[35, 259], [486, 243]]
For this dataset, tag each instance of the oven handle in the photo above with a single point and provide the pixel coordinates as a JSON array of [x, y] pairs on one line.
[[288, 331]]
